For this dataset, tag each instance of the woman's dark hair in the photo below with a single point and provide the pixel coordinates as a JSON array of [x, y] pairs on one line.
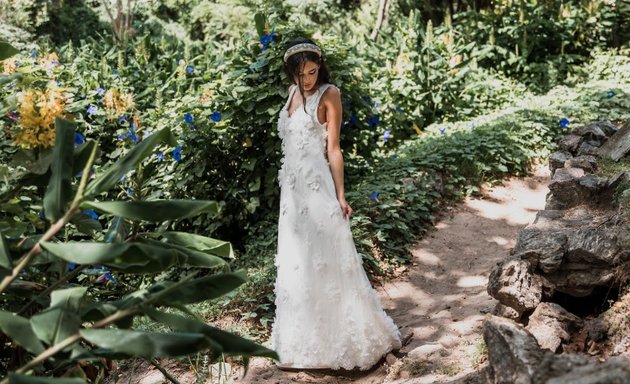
[[295, 64]]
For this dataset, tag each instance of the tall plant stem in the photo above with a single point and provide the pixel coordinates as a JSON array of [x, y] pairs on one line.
[[56, 227]]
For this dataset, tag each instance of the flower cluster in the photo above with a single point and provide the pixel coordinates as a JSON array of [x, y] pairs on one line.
[[49, 61], [10, 66], [117, 102], [37, 111]]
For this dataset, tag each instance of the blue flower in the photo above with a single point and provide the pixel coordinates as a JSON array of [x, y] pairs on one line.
[[373, 121], [123, 178], [177, 153], [216, 116], [398, 109], [376, 104], [610, 94], [267, 39], [107, 276], [443, 130], [78, 139], [160, 156], [33, 53], [564, 122], [120, 138], [352, 121], [188, 118], [129, 192], [100, 91], [146, 133], [133, 137], [374, 196], [92, 110], [92, 214], [189, 69], [386, 135], [42, 215], [70, 266], [122, 119]]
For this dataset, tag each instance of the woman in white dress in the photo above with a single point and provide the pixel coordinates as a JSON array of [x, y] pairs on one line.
[[327, 314]]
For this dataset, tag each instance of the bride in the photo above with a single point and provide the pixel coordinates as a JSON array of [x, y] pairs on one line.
[[327, 314]]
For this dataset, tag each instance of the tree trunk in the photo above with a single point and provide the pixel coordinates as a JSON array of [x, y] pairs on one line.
[[382, 10]]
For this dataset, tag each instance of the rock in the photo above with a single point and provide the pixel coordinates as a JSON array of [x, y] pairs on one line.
[[591, 132], [570, 143], [513, 352], [588, 148], [597, 328], [586, 162], [543, 248], [557, 365], [596, 245], [423, 352], [607, 127], [571, 187], [551, 325], [613, 371], [507, 312], [512, 283], [390, 358], [558, 159], [564, 190], [618, 145]]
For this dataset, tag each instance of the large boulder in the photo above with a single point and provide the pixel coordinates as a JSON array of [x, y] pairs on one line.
[[513, 352], [542, 248], [618, 146], [514, 285], [552, 325]]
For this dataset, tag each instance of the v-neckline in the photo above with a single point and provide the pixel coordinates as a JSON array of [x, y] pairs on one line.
[[290, 114]]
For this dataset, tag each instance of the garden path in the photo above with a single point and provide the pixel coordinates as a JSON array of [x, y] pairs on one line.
[[443, 296]]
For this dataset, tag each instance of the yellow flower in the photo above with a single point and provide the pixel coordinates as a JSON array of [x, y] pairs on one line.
[[10, 66], [38, 110], [50, 60], [117, 103]]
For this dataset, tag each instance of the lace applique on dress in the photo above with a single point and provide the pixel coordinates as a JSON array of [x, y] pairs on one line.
[[327, 314]]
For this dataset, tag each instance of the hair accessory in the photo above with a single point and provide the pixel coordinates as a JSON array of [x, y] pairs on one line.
[[303, 47]]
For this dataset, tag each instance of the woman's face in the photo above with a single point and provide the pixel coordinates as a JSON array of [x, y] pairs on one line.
[[308, 75]]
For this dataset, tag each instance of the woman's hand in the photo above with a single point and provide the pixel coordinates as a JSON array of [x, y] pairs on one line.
[[346, 210]]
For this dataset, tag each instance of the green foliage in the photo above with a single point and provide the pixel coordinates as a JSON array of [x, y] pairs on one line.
[[47, 323]]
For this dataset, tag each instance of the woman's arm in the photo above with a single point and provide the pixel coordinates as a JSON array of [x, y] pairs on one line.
[[332, 103]]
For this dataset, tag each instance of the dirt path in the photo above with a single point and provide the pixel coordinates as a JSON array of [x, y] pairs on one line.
[[443, 298]]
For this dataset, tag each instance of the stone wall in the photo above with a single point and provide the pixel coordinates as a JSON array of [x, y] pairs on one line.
[[577, 249]]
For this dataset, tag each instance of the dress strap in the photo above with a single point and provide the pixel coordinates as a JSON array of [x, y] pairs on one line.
[[291, 92]]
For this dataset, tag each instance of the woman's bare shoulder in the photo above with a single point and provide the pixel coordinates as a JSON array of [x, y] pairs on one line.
[[331, 94]]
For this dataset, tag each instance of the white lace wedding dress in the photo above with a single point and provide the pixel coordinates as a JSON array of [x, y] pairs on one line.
[[327, 314]]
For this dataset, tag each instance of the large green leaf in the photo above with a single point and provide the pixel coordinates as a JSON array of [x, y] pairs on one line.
[[129, 257], [19, 330], [193, 257], [7, 50], [59, 191], [147, 345], [62, 319], [5, 255], [15, 378], [200, 243], [82, 154], [201, 289], [229, 344], [156, 210], [105, 181]]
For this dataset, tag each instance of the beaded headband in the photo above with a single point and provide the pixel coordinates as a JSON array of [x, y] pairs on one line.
[[303, 47]]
